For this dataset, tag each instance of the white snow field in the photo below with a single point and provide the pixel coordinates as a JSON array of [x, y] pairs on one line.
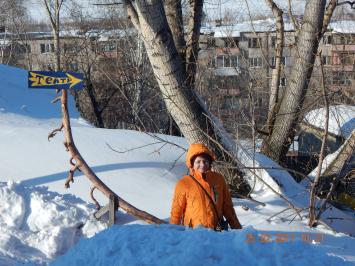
[[43, 223]]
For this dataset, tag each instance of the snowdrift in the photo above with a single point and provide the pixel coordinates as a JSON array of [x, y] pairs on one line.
[[38, 225], [176, 245]]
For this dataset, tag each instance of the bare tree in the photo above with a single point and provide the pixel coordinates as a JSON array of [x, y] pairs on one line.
[[53, 8], [286, 114]]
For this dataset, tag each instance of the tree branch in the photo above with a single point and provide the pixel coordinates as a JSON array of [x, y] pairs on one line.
[[132, 13], [327, 16], [295, 26], [312, 217]]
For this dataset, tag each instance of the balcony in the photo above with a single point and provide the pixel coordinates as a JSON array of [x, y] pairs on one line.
[[110, 54], [228, 92], [228, 112], [343, 47], [338, 68]]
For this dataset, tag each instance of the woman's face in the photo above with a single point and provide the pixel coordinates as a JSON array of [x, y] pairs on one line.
[[201, 165]]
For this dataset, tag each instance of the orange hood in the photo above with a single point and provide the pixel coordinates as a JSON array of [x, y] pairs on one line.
[[197, 149]]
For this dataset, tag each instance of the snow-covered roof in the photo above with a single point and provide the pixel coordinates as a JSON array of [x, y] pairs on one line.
[[5, 42], [343, 26], [235, 29], [269, 24], [341, 119]]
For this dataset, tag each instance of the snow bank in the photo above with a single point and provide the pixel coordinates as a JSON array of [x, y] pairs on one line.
[[37, 225], [177, 245]]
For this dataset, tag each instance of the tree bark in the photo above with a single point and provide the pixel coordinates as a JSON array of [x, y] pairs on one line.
[[173, 12], [193, 36]]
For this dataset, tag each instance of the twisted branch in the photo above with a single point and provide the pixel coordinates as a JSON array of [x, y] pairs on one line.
[[53, 133], [71, 175], [94, 200], [56, 100]]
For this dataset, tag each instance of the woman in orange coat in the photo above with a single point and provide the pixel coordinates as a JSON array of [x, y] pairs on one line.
[[190, 201]]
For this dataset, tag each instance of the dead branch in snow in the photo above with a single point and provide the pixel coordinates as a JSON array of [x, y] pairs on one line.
[[235, 195], [163, 140], [132, 148], [81, 165]]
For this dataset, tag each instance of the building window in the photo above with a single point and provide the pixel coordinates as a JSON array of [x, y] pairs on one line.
[[70, 48], [213, 63], [234, 61], [232, 42], [23, 49], [283, 61], [282, 82], [255, 62], [327, 40], [225, 61], [253, 43], [344, 39], [273, 41], [47, 48], [341, 79], [347, 59], [296, 39], [211, 43], [326, 60], [227, 82]]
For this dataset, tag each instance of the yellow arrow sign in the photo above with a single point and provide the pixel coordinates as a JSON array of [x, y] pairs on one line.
[[40, 79]]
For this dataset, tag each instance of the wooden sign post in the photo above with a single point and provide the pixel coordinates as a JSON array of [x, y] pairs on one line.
[[111, 207]]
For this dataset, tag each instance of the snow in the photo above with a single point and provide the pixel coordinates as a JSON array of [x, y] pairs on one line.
[[176, 245], [43, 223], [341, 119], [37, 225]]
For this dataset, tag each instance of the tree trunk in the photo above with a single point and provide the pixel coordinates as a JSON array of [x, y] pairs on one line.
[[288, 110], [53, 16], [180, 99], [173, 12], [193, 36], [89, 87], [275, 81]]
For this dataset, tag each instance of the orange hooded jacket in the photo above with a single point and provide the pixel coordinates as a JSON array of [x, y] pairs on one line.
[[191, 202]]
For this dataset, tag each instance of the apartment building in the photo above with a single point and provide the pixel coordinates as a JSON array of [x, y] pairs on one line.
[[236, 60]]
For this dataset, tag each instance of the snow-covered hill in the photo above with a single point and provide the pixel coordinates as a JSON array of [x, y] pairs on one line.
[[40, 219]]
